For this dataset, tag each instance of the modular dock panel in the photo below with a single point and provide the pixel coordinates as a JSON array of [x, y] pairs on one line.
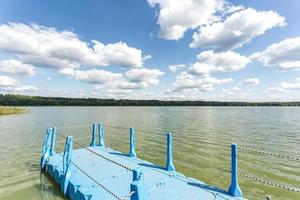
[[99, 173]]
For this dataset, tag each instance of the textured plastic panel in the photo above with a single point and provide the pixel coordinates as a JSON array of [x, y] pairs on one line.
[[160, 184]]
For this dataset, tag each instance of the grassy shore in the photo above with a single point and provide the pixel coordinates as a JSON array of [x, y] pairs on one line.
[[6, 110]]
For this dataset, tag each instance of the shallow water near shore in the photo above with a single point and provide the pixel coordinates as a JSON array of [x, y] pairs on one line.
[[199, 134]]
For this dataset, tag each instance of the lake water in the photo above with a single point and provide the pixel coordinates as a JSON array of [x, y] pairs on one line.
[[197, 135]]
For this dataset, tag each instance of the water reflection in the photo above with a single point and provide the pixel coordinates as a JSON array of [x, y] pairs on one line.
[[272, 129], [48, 188]]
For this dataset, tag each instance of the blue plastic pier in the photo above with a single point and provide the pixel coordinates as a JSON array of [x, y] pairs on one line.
[[99, 173]]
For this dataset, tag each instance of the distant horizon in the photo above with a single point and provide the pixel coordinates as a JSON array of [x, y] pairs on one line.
[[234, 103]]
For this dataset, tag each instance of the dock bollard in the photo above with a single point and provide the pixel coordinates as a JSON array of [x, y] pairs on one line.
[[132, 143], [53, 141], [46, 147], [93, 143], [101, 135], [67, 165], [170, 166], [234, 188], [138, 186]]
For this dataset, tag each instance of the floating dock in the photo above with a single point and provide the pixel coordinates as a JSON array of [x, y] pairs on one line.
[[95, 172]]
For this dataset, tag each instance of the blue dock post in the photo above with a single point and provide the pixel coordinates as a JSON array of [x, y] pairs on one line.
[[101, 135], [67, 166], [234, 188], [93, 143], [132, 143], [170, 166], [46, 147], [137, 186], [53, 141]]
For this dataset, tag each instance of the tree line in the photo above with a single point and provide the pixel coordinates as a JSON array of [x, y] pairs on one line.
[[24, 100]]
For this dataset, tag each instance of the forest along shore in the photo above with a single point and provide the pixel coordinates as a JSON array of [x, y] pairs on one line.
[[23, 100]]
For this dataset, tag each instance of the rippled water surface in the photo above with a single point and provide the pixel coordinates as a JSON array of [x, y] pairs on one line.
[[197, 132]]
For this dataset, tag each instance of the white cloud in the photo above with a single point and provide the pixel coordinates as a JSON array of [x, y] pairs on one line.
[[275, 89], [236, 30], [93, 76], [203, 83], [285, 54], [6, 81], [133, 79], [19, 89], [15, 67], [147, 57], [113, 93], [25, 88], [120, 54], [251, 81], [176, 68], [143, 74], [209, 62], [285, 86], [290, 86], [58, 92], [82, 93], [231, 91], [236, 89], [177, 16], [8, 84], [48, 47]]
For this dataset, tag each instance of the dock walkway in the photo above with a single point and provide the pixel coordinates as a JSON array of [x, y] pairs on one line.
[[99, 173]]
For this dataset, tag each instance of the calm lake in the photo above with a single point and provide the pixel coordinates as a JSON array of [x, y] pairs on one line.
[[199, 136]]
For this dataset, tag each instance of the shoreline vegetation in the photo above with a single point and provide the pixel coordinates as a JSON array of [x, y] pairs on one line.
[[23, 100], [7, 110]]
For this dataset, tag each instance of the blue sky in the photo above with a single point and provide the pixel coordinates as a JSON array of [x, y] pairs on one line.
[[156, 49]]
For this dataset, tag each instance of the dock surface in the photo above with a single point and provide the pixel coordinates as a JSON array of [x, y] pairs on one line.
[[99, 173]]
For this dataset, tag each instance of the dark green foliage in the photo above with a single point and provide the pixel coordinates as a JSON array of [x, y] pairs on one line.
[[22, 100]]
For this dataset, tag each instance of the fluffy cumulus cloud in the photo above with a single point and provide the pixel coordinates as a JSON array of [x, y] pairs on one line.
[[286, 86], [122, 55], [6, 81], [143, 74], [186, 81], [136, 79], [147, 57], [23, 88], [198, 76], [231, 91], [175, 17], [132, 79], [291, 85], [176, 68], [16, 67], [48, 47], [251, 81], [285, 54], [93, 76], [8, 84], [236, 30], [209, 62]]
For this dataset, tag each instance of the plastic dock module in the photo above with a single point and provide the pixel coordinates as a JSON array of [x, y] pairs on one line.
[[99, 173]]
